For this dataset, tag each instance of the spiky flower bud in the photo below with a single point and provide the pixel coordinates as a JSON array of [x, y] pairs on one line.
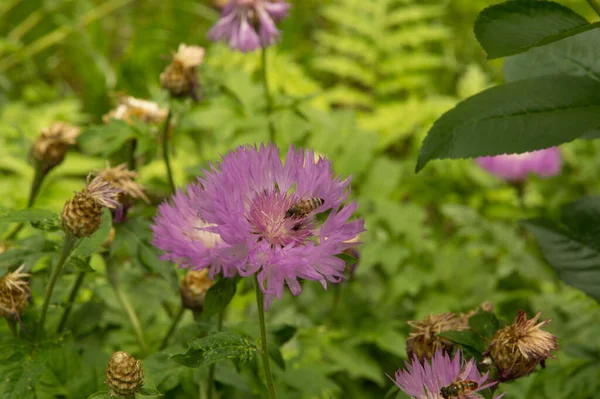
[[423, 341], [180, 77], [517, 349], [124, 179], [131, 107], [82, 215], [14, 293], [193, 289], [124, 375], [51, 146]]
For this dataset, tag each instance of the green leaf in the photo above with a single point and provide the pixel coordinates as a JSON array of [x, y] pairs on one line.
[[100, 395], [149, 392], [521, 116], [467, 339], [31, 215], [573, 251], [80, 264], [219, 295], [484, 323], [93, 243], [19, 376], [215, 348], [105, 139], [284, 334], [275, 354], [516, 26]]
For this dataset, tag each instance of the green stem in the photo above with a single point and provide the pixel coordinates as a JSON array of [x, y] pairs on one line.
[[264, 351], [70, 300], [36, 184], [211, 371], [595, 4], [166, 150], [12, 325], [268, 95], [131, 160], [69, 243], [123, 299], [174, 324]]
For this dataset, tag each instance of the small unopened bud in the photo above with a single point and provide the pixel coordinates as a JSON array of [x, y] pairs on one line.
[[124, 375], [51, 146], [423, 341], [193, 289], [131, 108], [517, 349], [14, 293], [180, 77], [82, 215]]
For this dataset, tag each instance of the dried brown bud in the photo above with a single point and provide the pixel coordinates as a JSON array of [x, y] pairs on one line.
[[517, 349], [193, 289], [423, 341], [124, 375], [14, 293], [131, 107], [180, 77], [82, 215], [123, 179], [51, 146]]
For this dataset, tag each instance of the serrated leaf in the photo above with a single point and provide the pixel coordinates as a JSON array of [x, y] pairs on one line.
[[219, 295], [92, 244], [215, 348], [149, 392], [484, 323], [80, 264], [19, 376], [105, 139], [100, 395], [520, 116], [575, 259], [30, 215], [516, 26], [467, 339]]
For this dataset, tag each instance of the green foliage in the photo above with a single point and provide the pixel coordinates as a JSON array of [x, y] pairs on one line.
[[218, 296], [214, 348], [500, 28]]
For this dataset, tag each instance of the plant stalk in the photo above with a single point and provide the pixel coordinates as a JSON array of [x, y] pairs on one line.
[[69, 243], [260, 303], [131, 164], [268, 96], [70, 300], [595, 4], [123, 299], [166, 150], [174, 324], [211, 371], [36, 184], [12, 325]]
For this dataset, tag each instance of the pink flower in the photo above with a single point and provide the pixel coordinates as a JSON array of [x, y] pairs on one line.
[[426, 380], [249, 24], [516, 167], [235, 220]]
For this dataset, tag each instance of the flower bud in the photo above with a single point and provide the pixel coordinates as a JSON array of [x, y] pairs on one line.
[[82, 215], [193, 289], [14, 293], [131, 107], [50, 148], [123, 179], [517, 349], [180, 77], [423, 341], [124, 375]]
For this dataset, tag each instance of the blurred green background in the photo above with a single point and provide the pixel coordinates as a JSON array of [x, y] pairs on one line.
[[361, 82]]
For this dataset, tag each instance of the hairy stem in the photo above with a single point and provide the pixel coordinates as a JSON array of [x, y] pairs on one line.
[[268, 95], [165, 143], [211, 371], [123, 299], [595, 4], [260, 303], [36, 184], [172, 329], [68, 244], [70, 300]]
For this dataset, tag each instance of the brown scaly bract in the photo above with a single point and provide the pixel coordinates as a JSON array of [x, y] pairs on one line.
[[517, 349], [82, 215], [14, 293], [52, 144], [124, 179], [193, 289], [124, 375], [180, 77]]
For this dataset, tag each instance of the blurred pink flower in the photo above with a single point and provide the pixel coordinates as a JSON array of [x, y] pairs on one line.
[[516, 167]]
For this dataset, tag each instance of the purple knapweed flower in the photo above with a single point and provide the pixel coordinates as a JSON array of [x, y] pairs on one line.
[[235, 220], [516, 167], [249, 24], [426, 380]]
